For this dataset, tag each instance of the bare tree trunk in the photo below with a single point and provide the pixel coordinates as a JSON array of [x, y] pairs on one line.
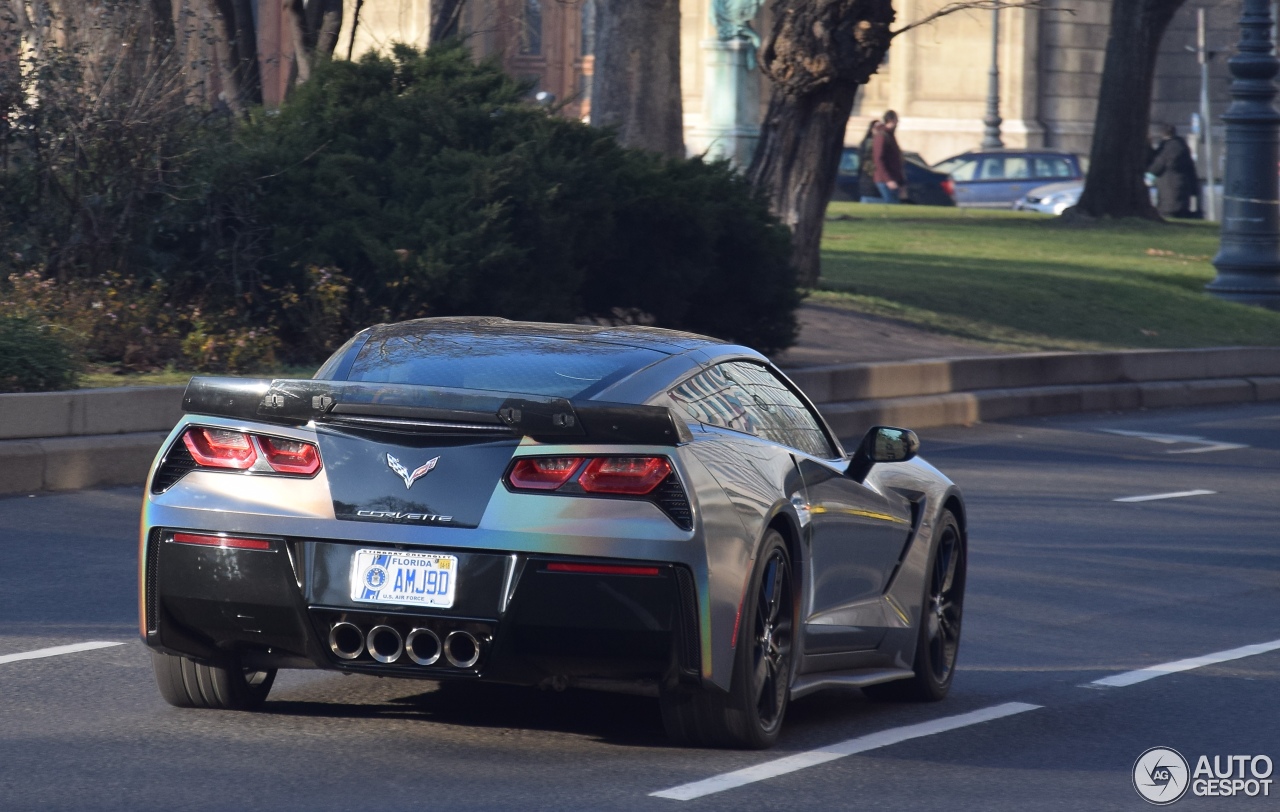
[[298, 31], [818, 53], [445, 15], [235, 46], [1118, 157], [328, 27], [636, 85], [162, 29], [314, 28]]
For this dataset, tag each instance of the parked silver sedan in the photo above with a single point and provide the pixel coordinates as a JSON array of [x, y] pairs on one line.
[[610, 507], [1052, 198]]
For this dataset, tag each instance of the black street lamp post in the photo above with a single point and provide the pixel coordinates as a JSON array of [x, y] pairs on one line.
[[991, 123], [1248, 259]]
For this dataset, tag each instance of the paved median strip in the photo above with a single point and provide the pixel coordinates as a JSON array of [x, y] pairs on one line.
[[1177, 666], [55, 651], [861, 744]]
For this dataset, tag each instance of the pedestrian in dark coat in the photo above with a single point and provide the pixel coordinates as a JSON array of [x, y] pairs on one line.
[[867, 164], [890, 175], [1175, 173]]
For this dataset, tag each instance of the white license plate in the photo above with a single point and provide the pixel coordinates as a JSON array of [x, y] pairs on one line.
[[410, 579]]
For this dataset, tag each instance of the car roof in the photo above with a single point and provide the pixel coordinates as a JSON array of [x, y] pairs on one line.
[[975, 153], [670, 342]]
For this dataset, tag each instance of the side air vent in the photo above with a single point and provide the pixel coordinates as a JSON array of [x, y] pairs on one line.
[[177, 464], [670, 496], [690, 657], [152, 575]]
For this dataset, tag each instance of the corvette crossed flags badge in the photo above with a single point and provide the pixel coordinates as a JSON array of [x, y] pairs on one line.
[[418, 473]]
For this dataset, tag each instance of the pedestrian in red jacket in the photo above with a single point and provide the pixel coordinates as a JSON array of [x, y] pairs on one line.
[[890, 176]]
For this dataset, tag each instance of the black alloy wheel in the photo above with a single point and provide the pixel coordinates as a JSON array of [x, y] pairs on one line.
[[938, 641], [750, 715], [945, 604], [771, 643]]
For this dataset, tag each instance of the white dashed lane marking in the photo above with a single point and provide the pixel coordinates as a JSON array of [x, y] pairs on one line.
[[55, 651], [1154, 496], [1151, 672], [812, 758], [1200, 444]]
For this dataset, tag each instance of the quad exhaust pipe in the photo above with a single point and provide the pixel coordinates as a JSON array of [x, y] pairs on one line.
[[385, 644], [346, 640], [461, 649], [422, 646]]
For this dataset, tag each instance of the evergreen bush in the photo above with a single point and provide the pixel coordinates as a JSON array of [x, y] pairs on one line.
[[33, 359], [433, 185]]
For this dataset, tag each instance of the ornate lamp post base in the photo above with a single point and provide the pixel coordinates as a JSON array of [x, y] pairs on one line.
[[1248, 260], [730, 125]]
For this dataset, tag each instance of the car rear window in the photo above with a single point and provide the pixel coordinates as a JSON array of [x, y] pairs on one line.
[[497, 362], [958, 170]]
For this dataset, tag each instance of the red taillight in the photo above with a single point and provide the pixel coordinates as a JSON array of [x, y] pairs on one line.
[[630, 476], [238, 451], [220, 448], [221, 541], [543, 473], [290, 456], [601, 569], [949, 186]]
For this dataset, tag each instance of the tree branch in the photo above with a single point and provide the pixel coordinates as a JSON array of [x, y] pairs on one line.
[[444, 19], [976, 5], [355, 26]]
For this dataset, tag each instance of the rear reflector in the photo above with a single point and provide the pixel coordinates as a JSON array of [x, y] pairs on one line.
[[220, 448], [290, 456], [632, 476], [232, 542], [543, 473], [601, 569]]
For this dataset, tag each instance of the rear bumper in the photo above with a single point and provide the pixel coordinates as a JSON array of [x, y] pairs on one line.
[[276, 607]]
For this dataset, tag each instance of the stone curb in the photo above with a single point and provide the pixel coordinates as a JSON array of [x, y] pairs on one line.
[[122, 410], [74, 463], [59, 441], [852, 419]]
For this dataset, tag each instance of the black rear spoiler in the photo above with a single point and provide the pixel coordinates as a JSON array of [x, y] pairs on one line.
[[429, 409]]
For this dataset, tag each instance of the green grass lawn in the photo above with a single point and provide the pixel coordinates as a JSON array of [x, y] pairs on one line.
[[1034, 282]]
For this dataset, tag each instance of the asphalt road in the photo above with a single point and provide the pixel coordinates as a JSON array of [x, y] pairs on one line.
[[1066, 587]]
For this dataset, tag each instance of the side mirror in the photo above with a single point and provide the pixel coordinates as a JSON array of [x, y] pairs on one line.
[[882, 444]]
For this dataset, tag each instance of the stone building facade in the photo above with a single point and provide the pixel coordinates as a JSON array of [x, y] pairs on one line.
[[935, 77], [1051, 62]]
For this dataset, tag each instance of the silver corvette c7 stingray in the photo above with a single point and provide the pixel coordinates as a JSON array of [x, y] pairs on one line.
[[542, 504]]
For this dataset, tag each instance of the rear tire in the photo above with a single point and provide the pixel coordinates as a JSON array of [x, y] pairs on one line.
[[750, 715], [938, 641], [184, 683]]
